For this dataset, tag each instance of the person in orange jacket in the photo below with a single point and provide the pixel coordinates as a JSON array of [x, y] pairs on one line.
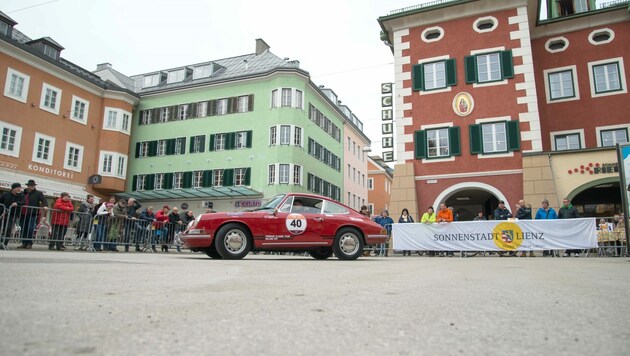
[[445, 214], [62, 210]]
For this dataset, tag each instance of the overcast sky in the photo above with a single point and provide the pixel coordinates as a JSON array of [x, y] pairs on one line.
[[337, 42]]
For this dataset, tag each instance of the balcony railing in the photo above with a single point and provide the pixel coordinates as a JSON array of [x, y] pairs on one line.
[[420, 6], [613, 3]]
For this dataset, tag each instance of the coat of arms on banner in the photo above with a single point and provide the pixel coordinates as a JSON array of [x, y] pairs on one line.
[[507, 236]]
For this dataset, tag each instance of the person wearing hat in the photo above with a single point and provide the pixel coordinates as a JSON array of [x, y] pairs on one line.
[[501, 212], [35, 200], [10, 209]]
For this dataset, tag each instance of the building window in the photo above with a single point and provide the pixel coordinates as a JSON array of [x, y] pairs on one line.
[[151, 80], [556, 44], [176, 76], [121, 167], [202, 109], [51, 98], [272, 174], [439, 142], [273, 131], [434, 75], [79, 109], [197, 179], [161, 147], [143, 149], [285, 134], [606, 77], [10, 140], [489, 67], [297, 175], [197, 144], [180, 143], [432, 34], [485, 24], [113, 164], [601, 36], [178, 178], [222, 106], [182, 112], [164, 114], [567, 142], [297, 136], [219, 142], [217, 179], [50, 51], [202, 71], [241, 139], [146, 117], [274, 98], [298, 99], [112, 121], [284, 173], [370, 184], [286, 98], [159, 181], [74, 157], [612, 137], [243, 103], [494, 137], [4, 28], [561, 85], [44, 149], [240, 175], [141, 182], [16, 85]]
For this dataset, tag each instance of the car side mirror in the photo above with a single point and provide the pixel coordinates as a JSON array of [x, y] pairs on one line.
[[275, 212]]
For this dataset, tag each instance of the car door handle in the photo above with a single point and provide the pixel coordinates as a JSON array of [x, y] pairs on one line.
[[319, 219]]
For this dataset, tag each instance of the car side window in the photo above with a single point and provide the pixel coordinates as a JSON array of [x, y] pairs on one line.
[[332, 208], [286, 207]]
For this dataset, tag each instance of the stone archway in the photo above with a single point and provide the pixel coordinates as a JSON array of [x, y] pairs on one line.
[[470, 197]]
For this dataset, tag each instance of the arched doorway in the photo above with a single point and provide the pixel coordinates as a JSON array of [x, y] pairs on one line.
[[467, 199], [600, 198]]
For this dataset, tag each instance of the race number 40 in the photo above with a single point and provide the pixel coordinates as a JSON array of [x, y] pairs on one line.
[[296, 223]]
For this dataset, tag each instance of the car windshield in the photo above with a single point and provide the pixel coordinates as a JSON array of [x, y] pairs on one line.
[[272, 203]]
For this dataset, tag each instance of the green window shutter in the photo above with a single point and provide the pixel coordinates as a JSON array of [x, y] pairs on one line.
[[212, 108], [451, 72], [417, 77], [206, 179], [248, 176], [138, 149], [134, 182], [211, 146], [170, 146], [167, 183], [187, 180], [507, 64], [202, 144], [149, 182], [191, 144], [230, 141], [192, 110], [420, 141], [153, 148], [513, 137], [173, 113], [228, 177], [250, 103], [250, 136], [475, 139], [455, 148], [470, 63]]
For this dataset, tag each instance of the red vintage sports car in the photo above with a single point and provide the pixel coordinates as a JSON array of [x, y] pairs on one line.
[[288, 222]]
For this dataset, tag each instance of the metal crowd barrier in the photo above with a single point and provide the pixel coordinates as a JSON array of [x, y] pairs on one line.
[[611, 237]]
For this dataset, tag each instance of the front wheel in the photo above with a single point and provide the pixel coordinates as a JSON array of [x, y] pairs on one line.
[[232, 242], [348, 244], [321, 254]]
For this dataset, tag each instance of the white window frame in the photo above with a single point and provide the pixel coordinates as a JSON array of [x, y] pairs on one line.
[[243, 103], [553, 134], [439, 138], [165, 112], [122, 122], [434, 83], [485, 51], [143, 149], [152, 80], [622, 77], [159, 181], [217, 177], [178, 179], [598, 131], [495, 139], [241, 140], [432, 29], [286, 98], [202, 109], [77, 100], [51, 149], [430, 60], [197, 179], [273, 135], [141, 182], [25, 85], [285, 135], [493, 155], [284, 173], [222, 106], [220, 141], [488, 67], [271, 172], [69, 146], [554, 40], [576, 87], [203, 71], [180, 144], [45, 88], [114, 168], [370, 183], [297, 136], [594, 33], [239, 176], [297, 175], [182, 112], [15, 152], [147, 117], [161, 148], [176, 76], [492, 19]]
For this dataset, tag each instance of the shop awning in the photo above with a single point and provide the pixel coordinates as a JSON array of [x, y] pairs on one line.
[[50, 187]]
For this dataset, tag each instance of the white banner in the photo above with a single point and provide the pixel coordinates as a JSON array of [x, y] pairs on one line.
[[521, 235]]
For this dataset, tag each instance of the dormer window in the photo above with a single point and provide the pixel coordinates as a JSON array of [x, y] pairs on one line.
[[4, 28], [176, 76], [50, 51], [151, 80], [202, 71]]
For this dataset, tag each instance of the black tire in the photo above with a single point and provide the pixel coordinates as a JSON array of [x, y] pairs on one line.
[[213, 254], [321, 254], [233, 242], [348, 244]]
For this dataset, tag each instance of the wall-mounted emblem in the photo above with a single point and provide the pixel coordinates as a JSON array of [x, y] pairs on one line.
[[463, 104]]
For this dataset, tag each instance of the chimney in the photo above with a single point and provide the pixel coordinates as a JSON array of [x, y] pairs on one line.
[[261, 46], [103, 66]]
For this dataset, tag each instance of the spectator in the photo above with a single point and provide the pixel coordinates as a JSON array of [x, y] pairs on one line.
[[386, 222], [118, 216], [568, 211], [175, 224], [132, 212], [365, 211], [86, 216], [501, 212], [479, 216], [59, 221], [161, 218], [546, 212], [445, 215], [187, 217], [429, 218], [145, 227], [524, 212], [102, 223], [455, 215], [404, 219], [34, 199], [12, 202]]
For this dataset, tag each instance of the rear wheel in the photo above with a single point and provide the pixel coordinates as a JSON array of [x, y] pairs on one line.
[[321, 254], [213, 254], [348, 244], [232, 242]]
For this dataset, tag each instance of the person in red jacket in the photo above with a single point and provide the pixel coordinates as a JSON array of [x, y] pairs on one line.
[[62, 210], [161, 218]]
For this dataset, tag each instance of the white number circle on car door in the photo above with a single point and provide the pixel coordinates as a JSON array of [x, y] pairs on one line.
[[296, 223]]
